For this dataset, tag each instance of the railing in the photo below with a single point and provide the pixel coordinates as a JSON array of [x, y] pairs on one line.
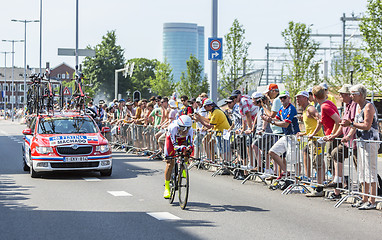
[[307, 164]]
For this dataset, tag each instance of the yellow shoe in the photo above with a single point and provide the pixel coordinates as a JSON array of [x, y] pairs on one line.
[[167, 193]]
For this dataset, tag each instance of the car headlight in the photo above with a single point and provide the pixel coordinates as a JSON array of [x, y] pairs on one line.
[[44, 150], [102, 148]]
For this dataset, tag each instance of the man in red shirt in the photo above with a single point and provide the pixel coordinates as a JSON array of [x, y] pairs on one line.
[[330, 119]]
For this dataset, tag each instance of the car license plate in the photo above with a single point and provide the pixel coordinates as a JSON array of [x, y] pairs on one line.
[[76, 159]]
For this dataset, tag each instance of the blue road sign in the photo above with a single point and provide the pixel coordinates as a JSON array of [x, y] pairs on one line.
[[215, 49]]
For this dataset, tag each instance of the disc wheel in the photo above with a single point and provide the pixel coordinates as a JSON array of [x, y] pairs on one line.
[[183, 185], [173, 183]]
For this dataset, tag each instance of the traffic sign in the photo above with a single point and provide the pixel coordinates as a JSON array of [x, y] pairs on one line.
[[66, 91], [215, 49]]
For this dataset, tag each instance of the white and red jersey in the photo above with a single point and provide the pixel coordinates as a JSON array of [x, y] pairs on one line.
[[174, 140]]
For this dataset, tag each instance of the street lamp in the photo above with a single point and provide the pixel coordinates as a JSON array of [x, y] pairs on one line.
[[25, 53], [13, 71], [351, 69]]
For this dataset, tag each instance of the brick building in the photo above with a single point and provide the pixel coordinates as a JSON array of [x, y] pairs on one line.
[[60, 72]]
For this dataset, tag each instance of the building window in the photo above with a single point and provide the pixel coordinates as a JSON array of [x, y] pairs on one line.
[[6, 87], [67, 76], [21, 99], [59, 76], [21, 87]]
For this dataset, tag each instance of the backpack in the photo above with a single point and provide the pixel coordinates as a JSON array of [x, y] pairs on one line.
[[226, 115]]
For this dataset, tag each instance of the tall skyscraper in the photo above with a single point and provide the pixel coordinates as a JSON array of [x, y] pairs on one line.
[[180, 40]]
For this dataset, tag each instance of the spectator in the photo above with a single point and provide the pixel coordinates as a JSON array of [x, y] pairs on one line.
[[342, 150], [285, 118], [313, 128], [329, 96], [187, 109], [247, 109], [330, 119], [262, 142], [216, 121], [366, 126], [273, 94]]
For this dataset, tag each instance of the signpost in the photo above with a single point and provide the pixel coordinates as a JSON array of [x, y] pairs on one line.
[[215, 49]]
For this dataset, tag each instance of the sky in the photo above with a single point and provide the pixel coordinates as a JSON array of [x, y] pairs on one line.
[[139, 24]]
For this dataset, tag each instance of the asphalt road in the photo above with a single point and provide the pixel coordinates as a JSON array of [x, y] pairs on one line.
[[129, 205]]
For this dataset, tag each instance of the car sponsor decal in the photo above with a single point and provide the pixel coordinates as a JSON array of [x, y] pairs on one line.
[[75, 139]]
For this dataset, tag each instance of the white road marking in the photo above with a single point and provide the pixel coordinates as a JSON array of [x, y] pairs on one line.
[[163, 216], [91, 179], [20, 142], [120, 193]]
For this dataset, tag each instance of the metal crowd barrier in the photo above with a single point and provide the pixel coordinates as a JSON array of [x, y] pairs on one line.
[[308, 162]]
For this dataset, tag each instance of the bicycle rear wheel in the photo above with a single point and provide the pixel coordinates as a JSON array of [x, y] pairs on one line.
[[183, 185], [173, 183]]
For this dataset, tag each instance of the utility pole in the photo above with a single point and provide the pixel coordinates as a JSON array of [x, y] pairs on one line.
[[13, 71], [267, 48], [214, 63], [40, 35], [25, 54], [5, 77], [344, 19]]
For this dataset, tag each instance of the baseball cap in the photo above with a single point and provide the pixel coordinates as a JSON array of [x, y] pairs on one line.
[[303, 93], [208, 101], [129, 103], [198, 99], [345, 89], [324, 85], [228, 100], [122, 100], [283, 94], [257, 95], [192, 100], [101, 102], [235, 93], [272, 86]]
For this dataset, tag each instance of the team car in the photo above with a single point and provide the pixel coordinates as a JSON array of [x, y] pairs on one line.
[[65, 142]]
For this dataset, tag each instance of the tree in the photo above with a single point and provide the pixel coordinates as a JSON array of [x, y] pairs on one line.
[[371, 29], [144, 70], [100, 69], [193, 83], [302, 49], [163, 84], [341, 70], [235, 54]]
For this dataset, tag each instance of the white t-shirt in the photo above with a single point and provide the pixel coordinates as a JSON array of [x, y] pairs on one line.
[[276, 105]]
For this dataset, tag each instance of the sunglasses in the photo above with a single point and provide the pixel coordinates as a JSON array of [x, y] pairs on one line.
[[354, 93], [282, 98], [183, 128]]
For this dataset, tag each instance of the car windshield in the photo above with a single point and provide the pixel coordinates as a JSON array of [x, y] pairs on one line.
[[66, 125]]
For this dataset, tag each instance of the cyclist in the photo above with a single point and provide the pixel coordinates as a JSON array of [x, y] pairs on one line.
[[178, 139]]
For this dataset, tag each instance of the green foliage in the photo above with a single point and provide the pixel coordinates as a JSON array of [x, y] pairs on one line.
[[341, 70], [235, 54], [371, 28], [144, 72], [193, 83], [163, 84], [302, 72], [101, 68]]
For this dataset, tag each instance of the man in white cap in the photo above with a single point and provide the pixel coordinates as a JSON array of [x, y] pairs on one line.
[[311, 120]]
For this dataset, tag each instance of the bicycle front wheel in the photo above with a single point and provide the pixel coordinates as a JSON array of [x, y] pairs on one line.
[[173, 183], [183, 185]]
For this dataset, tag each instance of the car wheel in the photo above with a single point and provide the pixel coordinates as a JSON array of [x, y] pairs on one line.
[[106, 173], [32, 172], [25, 165]]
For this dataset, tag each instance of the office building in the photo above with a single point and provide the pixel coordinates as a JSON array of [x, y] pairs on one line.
[[180, 40]]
